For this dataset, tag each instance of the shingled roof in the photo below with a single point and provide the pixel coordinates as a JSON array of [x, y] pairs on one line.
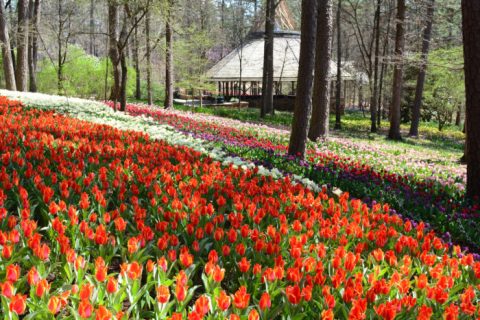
[[250, 57]]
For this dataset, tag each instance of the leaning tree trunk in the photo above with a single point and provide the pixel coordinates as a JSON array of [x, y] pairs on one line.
[[303, 100], [374, 98], [394, 132], [338, 111], [471, 49], [8, 70], [33, 44], [149, 58], [267, 83], [321, 93], [417, 104], [21, 71], [169, 59]]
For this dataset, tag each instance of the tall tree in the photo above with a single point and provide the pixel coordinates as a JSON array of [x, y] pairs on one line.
[[133, 13], [358, 14], [168, 103], [21, 71], [471, 45], [321, 93], [303, 100], [6, 54], [383, 68], [374, 98], [148, 55], [338, 93], [113, 25], [64, 33], [136, 61], [394, 131], [427, 36], [267, 82], [34, 12], [92, 28]]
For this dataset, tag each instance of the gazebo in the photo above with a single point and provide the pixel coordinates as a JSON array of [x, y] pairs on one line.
[[240, 73]]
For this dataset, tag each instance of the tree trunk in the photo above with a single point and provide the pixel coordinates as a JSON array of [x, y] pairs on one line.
[[92, 27], [374, 98], [33, 43], [123, 84], [303, 100], [8, 70], [471, 47], [113, 50], [417, 104], [394, 132], [21, 75], [382, 71], [321, 95], [123, 64], [138, 89], [458, 116], [59, 48], [267, 87], [338, 111], [149, 58], [169, 58], [463, 159]]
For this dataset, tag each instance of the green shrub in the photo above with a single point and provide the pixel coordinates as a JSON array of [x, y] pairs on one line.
[[84, 75]]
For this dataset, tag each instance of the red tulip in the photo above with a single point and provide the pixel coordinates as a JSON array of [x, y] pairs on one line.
[[13, 272], [18, 304], [265, 302]]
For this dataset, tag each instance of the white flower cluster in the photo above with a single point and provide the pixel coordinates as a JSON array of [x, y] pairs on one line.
[[97, 112]]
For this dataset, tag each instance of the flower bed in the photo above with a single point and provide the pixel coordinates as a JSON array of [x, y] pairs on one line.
[[99, 223], [439, 201]]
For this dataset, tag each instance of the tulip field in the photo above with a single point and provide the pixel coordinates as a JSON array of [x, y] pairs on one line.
[[153, 214]]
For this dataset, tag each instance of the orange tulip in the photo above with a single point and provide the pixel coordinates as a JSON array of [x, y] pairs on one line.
[[112, 285], [223, 301], [85, 309], [54, 304], [163, 294], [42, 287], [134, 270], [103, 314], [241, 298]]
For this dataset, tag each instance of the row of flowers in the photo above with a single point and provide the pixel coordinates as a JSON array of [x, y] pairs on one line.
[[101, 223], [422, 162], [96, 112], [440, 202]]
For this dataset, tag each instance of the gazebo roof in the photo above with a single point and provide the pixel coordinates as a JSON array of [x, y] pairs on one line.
[[249, 59]]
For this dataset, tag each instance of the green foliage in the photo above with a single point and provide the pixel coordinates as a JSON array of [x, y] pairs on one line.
[[84, 75], [445, 85], [191, 60]]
